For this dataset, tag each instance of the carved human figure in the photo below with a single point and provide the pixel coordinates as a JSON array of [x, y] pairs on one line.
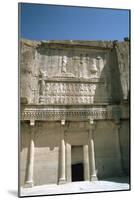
[[76, 100], [42, 75], [68, 100], [81, 99], [64, 63], [86, 89], [81, 87], [88, 100], [92, 88], [76, 87], [47, 86], [57, 99], [91, 99], [72, 87], [63, 100], [56, 87], [93, 68], [71, 100], [69, 87], [83, 72], [100, 64]]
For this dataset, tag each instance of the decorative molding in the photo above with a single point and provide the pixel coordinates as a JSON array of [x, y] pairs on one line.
[[74, 79], [71, 114], [65, 114]]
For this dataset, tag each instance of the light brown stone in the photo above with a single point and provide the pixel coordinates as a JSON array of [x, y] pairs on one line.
[[75, 95]]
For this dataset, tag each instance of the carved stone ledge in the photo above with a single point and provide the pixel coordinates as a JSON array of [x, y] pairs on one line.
[[50, 113], [73, 79], [65, 114]]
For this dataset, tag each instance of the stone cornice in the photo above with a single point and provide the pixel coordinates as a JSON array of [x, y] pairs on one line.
[[63, 114], [98, 44], [73, 79], [74, 114], [69, 43]]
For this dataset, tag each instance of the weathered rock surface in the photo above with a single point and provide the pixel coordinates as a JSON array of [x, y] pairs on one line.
[[75, 110], [103, 61]]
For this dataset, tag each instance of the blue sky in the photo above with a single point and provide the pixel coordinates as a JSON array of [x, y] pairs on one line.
[[47, 22]]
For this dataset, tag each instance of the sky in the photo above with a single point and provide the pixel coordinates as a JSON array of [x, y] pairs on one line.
[[51, 22]]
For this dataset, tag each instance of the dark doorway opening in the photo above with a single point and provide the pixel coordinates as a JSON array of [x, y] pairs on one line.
[[77, 172]]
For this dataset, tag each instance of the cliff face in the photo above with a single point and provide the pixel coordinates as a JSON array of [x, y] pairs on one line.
[[123, 57], [74, 72], [76, 91]]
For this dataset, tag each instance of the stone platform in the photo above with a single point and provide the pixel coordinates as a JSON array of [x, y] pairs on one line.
[[111, 184]]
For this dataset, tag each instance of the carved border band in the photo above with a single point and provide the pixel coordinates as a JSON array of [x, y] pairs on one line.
[[68, 115], [49, 114]]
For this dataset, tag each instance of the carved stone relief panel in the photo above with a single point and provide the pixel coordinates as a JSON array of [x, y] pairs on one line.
[[55, 88], [68, 93], [81, 63], [68, 63]]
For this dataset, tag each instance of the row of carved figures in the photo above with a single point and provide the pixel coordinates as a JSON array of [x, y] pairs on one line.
[[67, 100], [68, 88], [94, 64]]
